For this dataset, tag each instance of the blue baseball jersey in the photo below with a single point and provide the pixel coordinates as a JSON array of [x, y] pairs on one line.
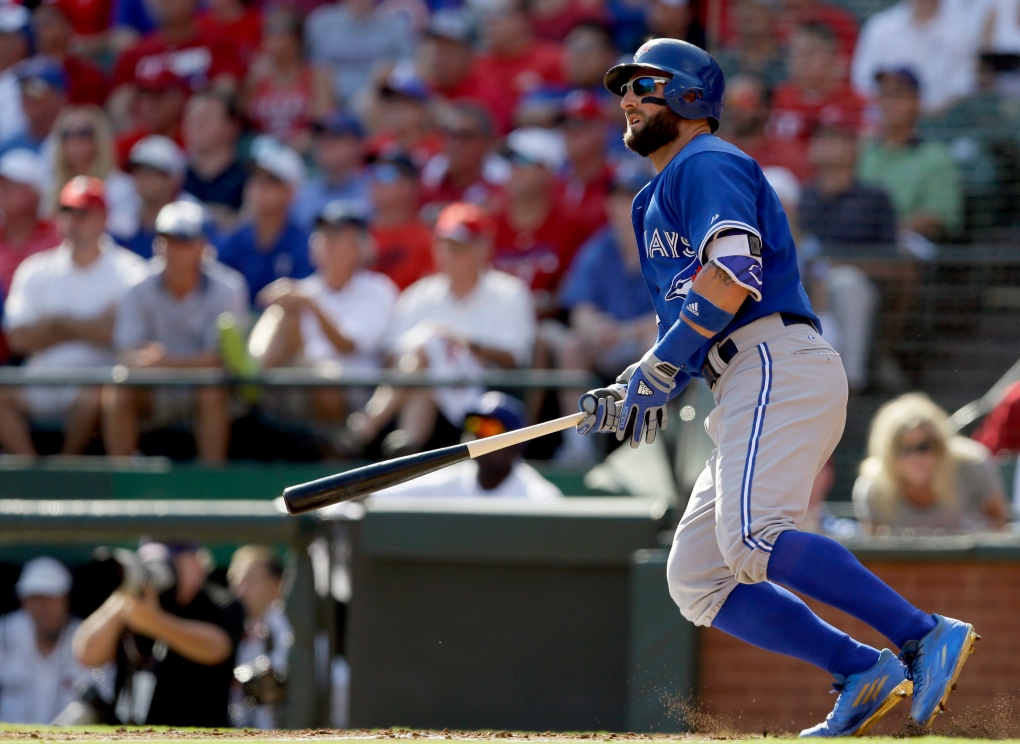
[[711, 186]]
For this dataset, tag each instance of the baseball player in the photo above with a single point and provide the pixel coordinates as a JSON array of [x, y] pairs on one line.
[[719, 261]]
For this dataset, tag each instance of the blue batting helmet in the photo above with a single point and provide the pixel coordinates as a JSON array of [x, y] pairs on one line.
[[691, 70]]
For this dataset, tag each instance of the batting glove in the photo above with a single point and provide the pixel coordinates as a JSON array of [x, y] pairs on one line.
[[644, 408], [602, 407]]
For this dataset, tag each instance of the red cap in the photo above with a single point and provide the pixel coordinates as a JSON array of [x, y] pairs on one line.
[[464, 223], [581, 104], [846, 119], [83, 192], [161, 81]]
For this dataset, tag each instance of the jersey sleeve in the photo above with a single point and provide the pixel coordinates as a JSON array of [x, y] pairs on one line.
[[716, 191]]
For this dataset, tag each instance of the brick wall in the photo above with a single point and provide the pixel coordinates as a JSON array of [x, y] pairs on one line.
[[745, 689]]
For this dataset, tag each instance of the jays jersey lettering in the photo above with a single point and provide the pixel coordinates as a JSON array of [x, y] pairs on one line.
[[709, 187]]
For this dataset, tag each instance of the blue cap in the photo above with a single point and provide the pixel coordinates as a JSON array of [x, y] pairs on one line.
[[504, 408], [43, 70], [340, 123], [904, 74], [631, 177]]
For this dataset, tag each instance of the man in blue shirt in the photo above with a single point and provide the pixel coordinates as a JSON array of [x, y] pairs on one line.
[[270, 246], [339, 160], [721, 266]]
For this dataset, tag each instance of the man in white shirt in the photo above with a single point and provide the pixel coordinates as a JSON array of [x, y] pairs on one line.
[[939, 39], [39, 674], [336, 316], [60, 314], [459, 321], [501, 474]]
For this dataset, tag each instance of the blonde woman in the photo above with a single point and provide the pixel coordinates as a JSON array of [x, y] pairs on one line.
[[922, 477], [83, 146]]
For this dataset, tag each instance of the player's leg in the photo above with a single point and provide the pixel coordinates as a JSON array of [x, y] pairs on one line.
[[763, 614], [15, 436]]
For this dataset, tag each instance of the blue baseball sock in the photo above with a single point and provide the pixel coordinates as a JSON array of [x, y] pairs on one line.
[[769, 617], [823, 569]]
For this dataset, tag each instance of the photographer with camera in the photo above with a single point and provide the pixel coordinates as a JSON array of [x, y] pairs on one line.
[[256, 578], [172, 633]]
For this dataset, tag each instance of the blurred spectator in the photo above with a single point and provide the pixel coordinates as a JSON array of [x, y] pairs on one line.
[[937, 39], [43, 87], [60, 314], [39, 674], [160, 104], [83, 146], [1001, 33], [461, 320], [536, 239], [588, 51], [129, 21], [919, 476], [589, 175], [54, 35], [400, 112], [817, 83], [180, 46], [835, 207], [256, 579], [215, 176], [403, 243], [841, 23], [236, 21], [157, 166], [612, 321], [338, 314], [502, 474], [15, 44], [183, 640], [170, 320], [339, 159], [466, 170], [555, 19], [755, 48], [515, 62], [1000, 430], [921, 177], [445, 57], [23, 230], [668, 18], [269, 245], [746, 126], [285, 94], [350, 38], [89, 21]]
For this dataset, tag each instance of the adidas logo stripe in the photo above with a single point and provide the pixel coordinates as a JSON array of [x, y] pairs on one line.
[[643, 389], [692, 308]]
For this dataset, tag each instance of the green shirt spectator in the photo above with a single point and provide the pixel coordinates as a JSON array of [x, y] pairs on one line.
[[920, 176]]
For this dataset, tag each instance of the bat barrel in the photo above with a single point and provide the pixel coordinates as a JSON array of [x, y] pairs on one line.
[[363, 481]]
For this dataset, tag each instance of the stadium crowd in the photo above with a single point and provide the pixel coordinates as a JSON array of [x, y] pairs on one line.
[[439, 186]]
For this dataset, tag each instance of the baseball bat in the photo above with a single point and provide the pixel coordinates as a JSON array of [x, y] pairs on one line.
[[353, 484]]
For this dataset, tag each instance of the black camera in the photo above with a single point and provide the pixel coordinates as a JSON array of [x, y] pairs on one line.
[[151, 566]]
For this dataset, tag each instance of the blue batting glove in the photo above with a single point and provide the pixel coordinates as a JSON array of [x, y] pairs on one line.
[[644, 408], [602, 407]]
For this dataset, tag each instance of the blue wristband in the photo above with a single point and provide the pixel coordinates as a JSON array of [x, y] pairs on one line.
[[680, 345], [705, 313]]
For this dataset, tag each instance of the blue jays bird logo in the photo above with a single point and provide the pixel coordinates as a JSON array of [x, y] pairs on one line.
[[681, 284]]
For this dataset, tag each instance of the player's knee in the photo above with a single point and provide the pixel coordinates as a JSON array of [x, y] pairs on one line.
[[685, 589], [747, 555]]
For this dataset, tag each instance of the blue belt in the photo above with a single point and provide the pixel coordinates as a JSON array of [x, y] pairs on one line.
[[727, 349]]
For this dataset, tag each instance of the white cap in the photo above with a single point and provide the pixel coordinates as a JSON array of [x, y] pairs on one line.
[[784, 183], [537, 145], [25, 167], [280, 161], [159, 153], [181, 219], [43, 577], [14, 18]]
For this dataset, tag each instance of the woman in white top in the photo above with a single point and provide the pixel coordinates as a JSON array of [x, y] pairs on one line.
[[921, 477], [83, 146]]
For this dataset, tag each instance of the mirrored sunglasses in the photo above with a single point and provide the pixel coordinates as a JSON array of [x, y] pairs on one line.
[[644, 85]]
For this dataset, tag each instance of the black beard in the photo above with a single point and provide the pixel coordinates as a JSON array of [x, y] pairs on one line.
[[658, 131]]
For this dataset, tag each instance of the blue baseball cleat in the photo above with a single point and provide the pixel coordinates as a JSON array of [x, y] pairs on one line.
[[864, 698], [935, 662]]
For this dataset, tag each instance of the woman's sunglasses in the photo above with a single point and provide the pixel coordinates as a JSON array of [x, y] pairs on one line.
[[921, 448], [643, 86], [78, 132]]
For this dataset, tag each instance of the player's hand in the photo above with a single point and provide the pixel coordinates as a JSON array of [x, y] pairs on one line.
[[602, 407], [644, 408]]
